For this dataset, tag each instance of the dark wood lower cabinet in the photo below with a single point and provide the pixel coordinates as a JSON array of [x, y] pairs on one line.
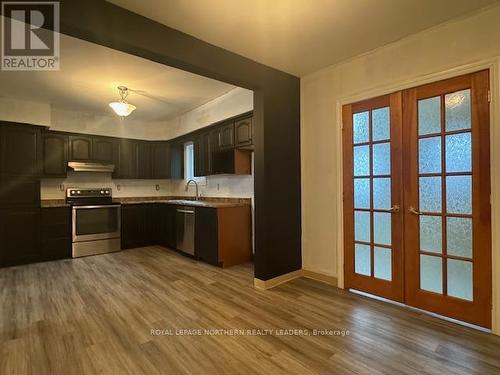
[[206, 235], [132, 224], [223, 236], [55, 233], [148, 224], [19, 236]]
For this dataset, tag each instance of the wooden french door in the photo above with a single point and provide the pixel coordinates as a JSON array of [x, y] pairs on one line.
[[417, 222]]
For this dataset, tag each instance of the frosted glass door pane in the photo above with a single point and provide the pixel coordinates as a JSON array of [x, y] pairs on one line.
[[361, 160], [460, 279], [431, 274], [430, 194], [429, 155], [360, 127], [429, 116], [382, 193], [382, 159], [431, 234], [382, 266], [362, 261], [362, 193], [458, 110], [362, 226], [459, 235], [459, 194], [459, 153], [382, 228], [381, 124]]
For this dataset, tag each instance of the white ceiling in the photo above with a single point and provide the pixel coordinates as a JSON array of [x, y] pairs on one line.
[[301, 36], [89, 76]]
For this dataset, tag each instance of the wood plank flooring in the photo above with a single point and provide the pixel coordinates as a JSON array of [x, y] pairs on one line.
[[94, 315]]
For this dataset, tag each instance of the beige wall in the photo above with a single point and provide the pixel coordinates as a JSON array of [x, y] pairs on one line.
[[396, 66]]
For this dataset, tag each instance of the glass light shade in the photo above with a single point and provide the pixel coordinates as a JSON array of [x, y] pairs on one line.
[[122, 109]]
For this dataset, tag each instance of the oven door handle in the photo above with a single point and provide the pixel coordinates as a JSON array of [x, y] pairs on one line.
[[100, 206]]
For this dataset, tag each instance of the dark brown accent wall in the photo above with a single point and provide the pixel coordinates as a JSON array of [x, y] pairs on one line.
[[276, 115]]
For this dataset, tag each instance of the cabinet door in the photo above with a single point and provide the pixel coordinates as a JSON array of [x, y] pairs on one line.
[[80, 148], [227, 135], [19, 191], [206, 235], [132, 226], [199, 157], [126, 165], [103, 149], [55, 233], [143, 154], [177, 160], [21, 150], [55, 154], [19, 236], [160, 158], [243, 132]]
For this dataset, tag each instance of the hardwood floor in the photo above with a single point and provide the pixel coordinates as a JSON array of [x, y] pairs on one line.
[[95, 315]]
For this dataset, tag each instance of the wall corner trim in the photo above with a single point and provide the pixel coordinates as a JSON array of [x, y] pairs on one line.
[[271, 283]]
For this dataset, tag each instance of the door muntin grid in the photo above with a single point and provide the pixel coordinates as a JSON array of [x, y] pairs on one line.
[[373, 253], [445, 194]]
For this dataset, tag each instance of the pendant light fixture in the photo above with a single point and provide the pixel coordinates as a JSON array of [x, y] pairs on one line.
[[122, 108]]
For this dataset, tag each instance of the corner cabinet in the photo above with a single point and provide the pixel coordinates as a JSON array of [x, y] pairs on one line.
[[243, 130]]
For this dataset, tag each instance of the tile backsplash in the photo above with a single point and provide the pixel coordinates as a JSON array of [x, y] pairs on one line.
[[217, 186]]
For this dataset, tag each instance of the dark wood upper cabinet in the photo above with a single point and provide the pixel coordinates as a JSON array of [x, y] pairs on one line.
[[103, 149], [125, 160], [80, 148], [160, 159], [143, 155], [203, 154], [21, 150], [55, 154], [233, 161], [177, 160], [243, 130], [226, 136]]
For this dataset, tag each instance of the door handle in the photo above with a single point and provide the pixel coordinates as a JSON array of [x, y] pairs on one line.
[[414, 211], [395, 208]]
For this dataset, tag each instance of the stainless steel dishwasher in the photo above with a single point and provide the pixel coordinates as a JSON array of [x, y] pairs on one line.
[[184, 224]]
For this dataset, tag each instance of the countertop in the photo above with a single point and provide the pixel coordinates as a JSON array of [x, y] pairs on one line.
[[215, 202], [188, 201]]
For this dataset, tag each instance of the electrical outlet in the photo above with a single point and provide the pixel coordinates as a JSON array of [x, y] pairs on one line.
[[157, 187], [218, 187], [119, 187], [62, 187]]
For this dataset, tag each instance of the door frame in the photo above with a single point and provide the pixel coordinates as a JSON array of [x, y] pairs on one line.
[[493, 65]]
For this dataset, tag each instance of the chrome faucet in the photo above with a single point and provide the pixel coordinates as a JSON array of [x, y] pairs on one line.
[[195, 184]]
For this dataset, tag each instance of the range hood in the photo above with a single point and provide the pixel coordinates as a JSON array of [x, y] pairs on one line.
[[91, 167]]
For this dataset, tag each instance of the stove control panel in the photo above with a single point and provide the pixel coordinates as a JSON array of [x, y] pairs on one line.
[[88, 193]]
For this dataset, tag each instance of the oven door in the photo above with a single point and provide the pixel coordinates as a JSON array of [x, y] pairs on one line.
[[91, 223]]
